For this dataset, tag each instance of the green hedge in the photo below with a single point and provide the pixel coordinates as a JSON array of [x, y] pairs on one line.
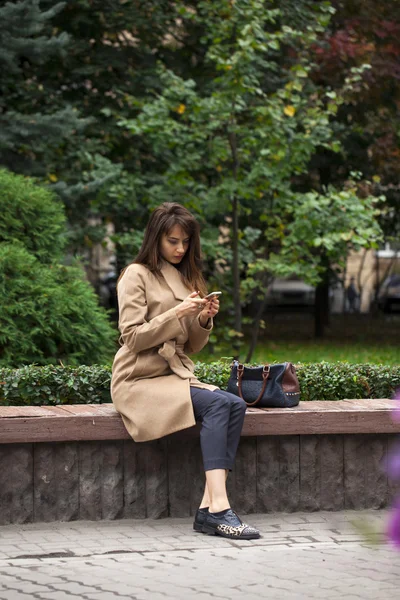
[[33, 385]]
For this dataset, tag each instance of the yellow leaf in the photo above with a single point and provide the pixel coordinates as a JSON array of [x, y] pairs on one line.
[[219, 168], [376, 179], [181, 109], [228, 67], [234, 333], [289, 110], [53, 177]]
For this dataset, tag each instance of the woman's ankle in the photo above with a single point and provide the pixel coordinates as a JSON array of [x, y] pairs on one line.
[[216, 507]]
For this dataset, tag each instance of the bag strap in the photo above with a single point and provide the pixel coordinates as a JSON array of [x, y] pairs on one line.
[[265, 375]]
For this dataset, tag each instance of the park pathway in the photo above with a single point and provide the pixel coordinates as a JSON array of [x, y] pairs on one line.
[[300, 556]]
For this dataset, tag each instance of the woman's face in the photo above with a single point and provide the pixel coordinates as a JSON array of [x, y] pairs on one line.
[[174, 244]]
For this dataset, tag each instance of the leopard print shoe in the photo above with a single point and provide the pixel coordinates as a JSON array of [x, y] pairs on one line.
[[227, 524]]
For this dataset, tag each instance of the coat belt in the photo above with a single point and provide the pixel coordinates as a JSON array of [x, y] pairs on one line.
[[173, 354]]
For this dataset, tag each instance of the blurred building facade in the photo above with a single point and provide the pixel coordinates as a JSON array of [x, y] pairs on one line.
[[370, 269]]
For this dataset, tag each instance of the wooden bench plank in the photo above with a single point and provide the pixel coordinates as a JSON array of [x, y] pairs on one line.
[[28, 411], [86, 409], [321, 422], [21, 424]]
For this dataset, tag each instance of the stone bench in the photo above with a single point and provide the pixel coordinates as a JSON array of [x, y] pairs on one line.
[[78, 462]]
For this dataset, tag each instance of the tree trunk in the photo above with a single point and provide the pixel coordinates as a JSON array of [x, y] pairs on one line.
[[236, 274], [321, 311], [255, 330], [235, 245], [377, 279], [360, 285], [344, 306]]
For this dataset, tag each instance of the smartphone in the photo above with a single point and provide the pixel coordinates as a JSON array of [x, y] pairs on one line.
[[212, 294]]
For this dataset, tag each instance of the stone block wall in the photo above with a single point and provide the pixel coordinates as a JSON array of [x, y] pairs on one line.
[[65, 481]]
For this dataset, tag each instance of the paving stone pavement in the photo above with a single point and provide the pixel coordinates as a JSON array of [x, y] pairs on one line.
[[301, 555]]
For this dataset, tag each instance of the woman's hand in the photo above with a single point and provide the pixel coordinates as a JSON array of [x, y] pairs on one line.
[[210, 310], [192, 305]]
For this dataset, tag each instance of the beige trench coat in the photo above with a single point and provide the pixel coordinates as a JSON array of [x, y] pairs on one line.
[[152, 374]]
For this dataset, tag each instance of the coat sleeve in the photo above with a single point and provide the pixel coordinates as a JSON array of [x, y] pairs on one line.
[[136, 332], [197, 336]]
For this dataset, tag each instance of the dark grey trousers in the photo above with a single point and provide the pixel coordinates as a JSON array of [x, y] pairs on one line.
[[222, 416]]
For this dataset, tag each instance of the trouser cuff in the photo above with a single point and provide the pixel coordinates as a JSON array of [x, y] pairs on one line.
[[217, 463]]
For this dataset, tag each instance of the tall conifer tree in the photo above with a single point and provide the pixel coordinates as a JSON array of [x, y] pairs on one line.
[[32, 120]]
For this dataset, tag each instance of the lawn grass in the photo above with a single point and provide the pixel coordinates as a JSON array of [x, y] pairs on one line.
[[355, 339], [313, 352]]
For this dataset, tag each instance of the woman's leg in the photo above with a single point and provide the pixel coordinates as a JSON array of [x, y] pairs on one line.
[[222, 415], [205, 501], [214, 412], [216, 484], [238, 411]]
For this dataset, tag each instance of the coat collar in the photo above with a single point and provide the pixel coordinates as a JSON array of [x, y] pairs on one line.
[[174, 280]]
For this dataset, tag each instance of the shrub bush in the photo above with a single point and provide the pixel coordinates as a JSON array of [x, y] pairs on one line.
[[33, 385], [48, 312], [31, 215]]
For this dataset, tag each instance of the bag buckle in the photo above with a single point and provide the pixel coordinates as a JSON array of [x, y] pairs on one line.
[[240, 371], [266, 371]]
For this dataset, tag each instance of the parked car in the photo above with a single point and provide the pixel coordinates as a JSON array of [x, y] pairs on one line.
[[290, 292], [389, 294]]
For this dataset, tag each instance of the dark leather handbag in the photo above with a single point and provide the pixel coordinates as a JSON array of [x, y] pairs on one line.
[[265, 386]]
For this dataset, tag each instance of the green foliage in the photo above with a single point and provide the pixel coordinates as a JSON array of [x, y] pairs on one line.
[[244, 136], [52, 385], [322, 229], [49, 313], [336, 381], [112, 49], [31, 215], [276, 121], [239, 134], [324, 381], [21, 23], [121, 106], [358, 60], [32, 121], [43, 131], [215, 373]]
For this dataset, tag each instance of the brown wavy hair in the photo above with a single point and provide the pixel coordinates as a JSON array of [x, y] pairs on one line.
[[161, 221]]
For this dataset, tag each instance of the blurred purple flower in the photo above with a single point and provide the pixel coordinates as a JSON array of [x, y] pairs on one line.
[[393, 463], [393, 528], [393, 469]]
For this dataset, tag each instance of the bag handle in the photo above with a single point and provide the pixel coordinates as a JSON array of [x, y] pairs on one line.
[[265, 375]]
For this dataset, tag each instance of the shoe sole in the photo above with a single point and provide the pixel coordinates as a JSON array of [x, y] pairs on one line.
[[230, 536], [197, 527]]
